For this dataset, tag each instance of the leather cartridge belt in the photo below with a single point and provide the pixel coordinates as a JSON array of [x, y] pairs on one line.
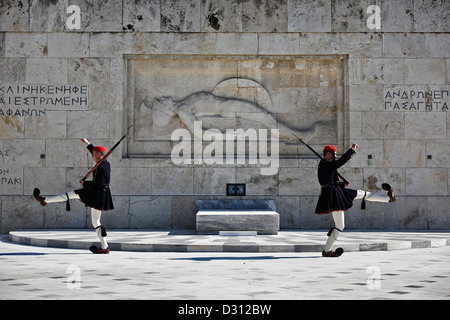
[[329, 184]]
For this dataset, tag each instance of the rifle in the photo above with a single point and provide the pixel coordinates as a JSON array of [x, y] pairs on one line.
[[345, 180], [105, 156]]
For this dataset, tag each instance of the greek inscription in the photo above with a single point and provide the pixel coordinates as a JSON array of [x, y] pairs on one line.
[[11, 181], [8, 176], [416, 100], [32, 100], [5, 180], [21, 112]]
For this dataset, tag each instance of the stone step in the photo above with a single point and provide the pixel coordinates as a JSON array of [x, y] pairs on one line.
[[188, 241]]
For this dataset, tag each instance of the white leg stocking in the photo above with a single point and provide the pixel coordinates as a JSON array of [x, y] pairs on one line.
[[95, 217], [62, 197], [370, 196], [339, 225]]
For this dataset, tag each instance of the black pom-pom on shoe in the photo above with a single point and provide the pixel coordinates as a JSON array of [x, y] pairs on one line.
[[36, 195]]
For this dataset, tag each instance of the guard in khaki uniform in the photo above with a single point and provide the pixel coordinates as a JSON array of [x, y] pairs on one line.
[[94, 194], [335, 198]]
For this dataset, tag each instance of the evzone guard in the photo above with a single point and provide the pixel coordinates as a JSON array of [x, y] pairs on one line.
[[94, 194], [335, 198]]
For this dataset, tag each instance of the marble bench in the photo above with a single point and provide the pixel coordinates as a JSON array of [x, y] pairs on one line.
[[214, 216]]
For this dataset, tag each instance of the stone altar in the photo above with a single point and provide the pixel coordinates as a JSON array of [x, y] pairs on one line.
[[214, 216]]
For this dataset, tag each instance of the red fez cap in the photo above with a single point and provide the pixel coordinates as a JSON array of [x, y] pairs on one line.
[[99, 148], [329, 148]]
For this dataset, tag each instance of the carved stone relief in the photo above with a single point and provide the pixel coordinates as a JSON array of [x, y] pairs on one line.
[[294, 94]]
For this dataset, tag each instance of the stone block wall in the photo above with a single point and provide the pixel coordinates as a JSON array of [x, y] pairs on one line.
[[65, 75]]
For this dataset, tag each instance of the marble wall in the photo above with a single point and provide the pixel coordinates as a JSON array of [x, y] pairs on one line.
[[66, 75]]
